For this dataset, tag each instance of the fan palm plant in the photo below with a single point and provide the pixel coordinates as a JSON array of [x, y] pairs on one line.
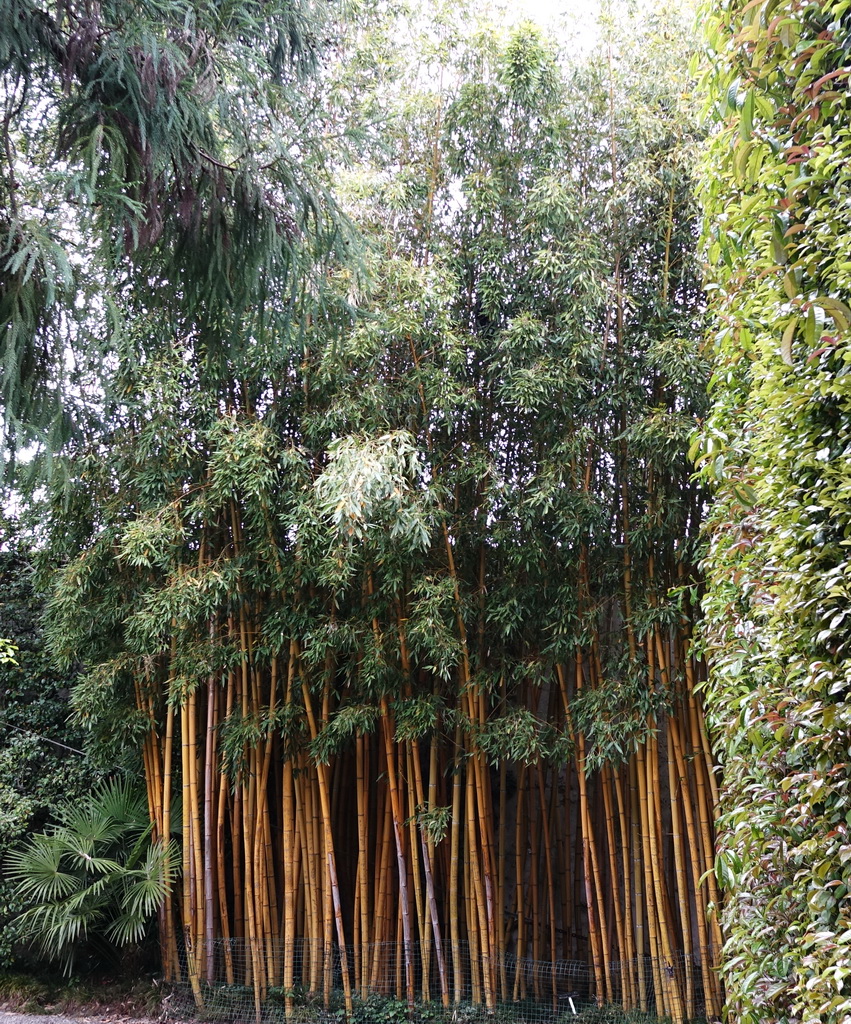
[[95, 878]]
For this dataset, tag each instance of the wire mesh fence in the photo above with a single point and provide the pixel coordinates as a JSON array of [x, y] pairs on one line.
[[234, 981]]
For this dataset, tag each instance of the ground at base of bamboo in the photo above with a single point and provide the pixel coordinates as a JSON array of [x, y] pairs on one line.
[[234, 1004], [99, 997], [106, 1000]]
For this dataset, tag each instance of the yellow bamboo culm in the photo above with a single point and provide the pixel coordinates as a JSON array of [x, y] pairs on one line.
[[288, 857]]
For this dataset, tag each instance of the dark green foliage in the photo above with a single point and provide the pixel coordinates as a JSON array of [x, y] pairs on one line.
[[36, 776], [47, 991], [776, 447]]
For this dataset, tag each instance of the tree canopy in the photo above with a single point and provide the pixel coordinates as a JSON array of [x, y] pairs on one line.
[[159, 160]]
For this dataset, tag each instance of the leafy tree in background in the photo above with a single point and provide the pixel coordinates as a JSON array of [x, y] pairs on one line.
[[161, 176], [159, 157], [776, 450], [36, 776]]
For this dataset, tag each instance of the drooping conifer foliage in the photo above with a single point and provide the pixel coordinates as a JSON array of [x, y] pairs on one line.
[[776, 450], [397, 605]]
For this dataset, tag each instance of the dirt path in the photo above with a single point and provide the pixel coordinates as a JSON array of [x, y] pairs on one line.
[[29, 1018], [48, 1018]]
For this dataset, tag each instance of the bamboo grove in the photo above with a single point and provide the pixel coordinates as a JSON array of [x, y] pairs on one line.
[[395, 589]]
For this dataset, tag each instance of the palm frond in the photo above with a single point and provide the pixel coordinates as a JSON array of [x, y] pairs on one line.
[[95, 873], [36, 868]]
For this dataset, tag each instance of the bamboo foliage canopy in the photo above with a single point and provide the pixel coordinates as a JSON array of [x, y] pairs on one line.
[[391, 575]]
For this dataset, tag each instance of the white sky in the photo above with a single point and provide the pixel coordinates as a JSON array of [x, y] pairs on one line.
[[577, 22], [574, 23], [579, 13]]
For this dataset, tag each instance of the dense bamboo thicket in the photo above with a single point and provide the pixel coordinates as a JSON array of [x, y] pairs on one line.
[[435, 840], [402, 599]]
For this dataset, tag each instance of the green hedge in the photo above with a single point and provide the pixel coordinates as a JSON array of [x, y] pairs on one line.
[[777, 449]]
